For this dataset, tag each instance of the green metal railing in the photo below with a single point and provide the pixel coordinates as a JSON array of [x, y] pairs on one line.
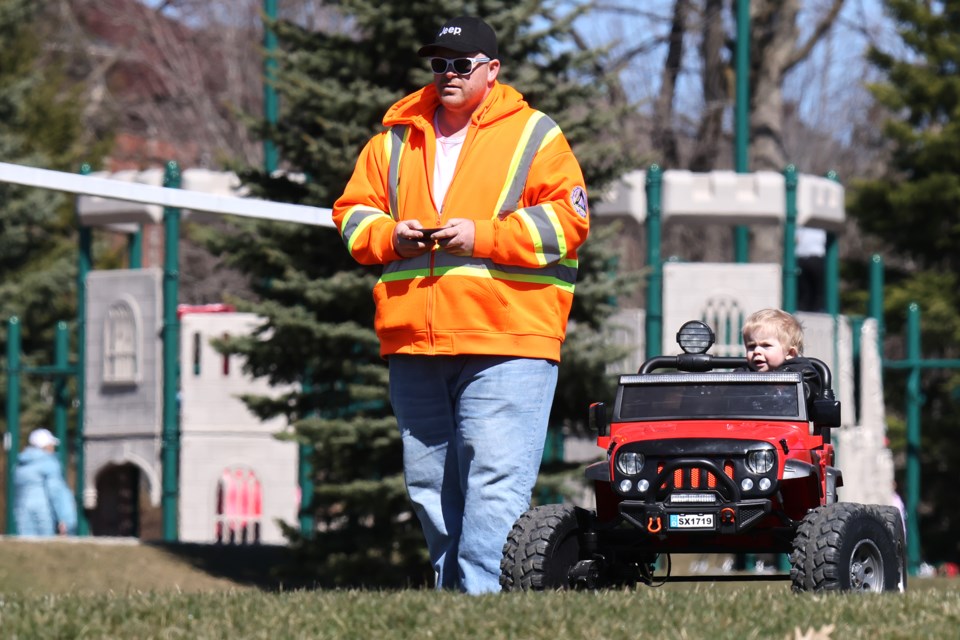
[[741, 163], [84, 264], [789, 273], [653, 325], [914, 364], [12, 442], [170, 433]]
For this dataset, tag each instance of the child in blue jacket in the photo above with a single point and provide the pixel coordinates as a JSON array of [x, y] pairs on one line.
[[44, 505]]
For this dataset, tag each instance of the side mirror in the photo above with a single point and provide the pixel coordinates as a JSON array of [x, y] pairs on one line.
[[825, 412], [597, 419]]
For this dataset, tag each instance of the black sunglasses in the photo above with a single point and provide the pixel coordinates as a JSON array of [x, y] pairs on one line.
[[461, 66]]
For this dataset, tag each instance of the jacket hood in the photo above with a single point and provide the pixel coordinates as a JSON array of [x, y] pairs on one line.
[[417, 108], [31, 455]]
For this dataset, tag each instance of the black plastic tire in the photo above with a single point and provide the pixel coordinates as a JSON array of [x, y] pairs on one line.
[[541, 549], [798, 558], [845, 547], [892, 519]]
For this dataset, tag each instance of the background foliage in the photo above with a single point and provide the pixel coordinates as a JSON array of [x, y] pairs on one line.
[[40, 125], [914, 209]]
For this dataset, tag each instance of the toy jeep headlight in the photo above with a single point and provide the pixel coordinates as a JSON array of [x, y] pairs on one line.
[[629, 463], [695, 337], [761, 461]]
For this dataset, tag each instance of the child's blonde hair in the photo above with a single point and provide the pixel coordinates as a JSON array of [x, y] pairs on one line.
[[787, 328]]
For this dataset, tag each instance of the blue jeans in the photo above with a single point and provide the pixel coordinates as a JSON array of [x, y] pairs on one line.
[[473, 429]]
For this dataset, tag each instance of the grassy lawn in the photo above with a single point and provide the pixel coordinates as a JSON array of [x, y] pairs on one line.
[[85, 590]]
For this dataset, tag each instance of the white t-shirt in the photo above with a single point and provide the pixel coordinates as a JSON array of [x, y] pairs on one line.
[[448, 150]]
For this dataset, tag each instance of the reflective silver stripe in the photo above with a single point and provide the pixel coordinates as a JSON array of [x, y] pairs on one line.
[[547, 233], [562, 273], [523, 159], [356, 218], [407, 268], [395, 143]]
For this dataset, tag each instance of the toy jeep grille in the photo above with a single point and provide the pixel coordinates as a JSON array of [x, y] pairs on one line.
[[690, 478]]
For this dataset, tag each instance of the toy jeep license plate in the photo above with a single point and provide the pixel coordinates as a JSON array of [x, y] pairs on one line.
[[691, 521]]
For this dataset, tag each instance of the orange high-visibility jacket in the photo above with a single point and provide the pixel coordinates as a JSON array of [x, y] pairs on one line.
[[517, 178]]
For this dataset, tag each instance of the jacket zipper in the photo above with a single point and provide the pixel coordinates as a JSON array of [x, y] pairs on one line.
[[431, 340]]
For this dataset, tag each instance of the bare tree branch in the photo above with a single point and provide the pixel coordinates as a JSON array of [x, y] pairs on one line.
[[664, 135], [715, 82], [823, 26]]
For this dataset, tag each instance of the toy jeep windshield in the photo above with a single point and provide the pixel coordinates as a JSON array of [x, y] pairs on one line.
[[704, 455]]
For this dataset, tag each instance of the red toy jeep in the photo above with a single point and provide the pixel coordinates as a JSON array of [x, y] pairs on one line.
[[706, 456]]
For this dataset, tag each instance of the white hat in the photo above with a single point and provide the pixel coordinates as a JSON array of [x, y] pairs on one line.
[[41, 438]]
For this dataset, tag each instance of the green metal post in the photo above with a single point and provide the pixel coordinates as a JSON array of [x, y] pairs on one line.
[[831, 275], [135, 249], [876, 298], [12, 442], [741, 234], [60, 344], [875, 304], [305, 480], [654, 319], [305, 472], [271, 107], [789, 281], [914, 401], [170, 439], [84, 264], [789, 275], [831, 272]]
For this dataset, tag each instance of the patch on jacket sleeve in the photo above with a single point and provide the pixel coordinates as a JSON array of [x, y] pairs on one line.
[[578, 198]]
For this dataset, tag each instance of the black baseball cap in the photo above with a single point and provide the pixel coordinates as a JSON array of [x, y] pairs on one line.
[[464, 34]]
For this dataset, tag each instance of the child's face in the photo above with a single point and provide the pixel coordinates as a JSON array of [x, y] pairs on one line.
[[765, 351]]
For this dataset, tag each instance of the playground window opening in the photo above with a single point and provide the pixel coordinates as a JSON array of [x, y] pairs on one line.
[[121, 344], [239, 509]]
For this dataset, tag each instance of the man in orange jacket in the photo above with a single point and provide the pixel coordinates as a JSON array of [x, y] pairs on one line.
[[475, 205]]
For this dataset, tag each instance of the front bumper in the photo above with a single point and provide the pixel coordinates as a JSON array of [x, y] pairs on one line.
[[661, 519]]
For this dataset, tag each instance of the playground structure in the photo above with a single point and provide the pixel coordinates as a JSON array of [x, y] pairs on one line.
[[236, 481], [132, 367], [676, 290]]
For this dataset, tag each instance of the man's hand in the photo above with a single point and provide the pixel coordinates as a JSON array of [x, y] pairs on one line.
[[457, 237], [408, 240], [61, 529]]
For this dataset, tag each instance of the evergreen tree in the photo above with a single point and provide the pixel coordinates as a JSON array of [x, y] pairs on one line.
[[31, 229], [335, 86], [915, 211], [40, 125]]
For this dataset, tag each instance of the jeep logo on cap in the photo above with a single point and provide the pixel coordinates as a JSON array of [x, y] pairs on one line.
[[452, 31]]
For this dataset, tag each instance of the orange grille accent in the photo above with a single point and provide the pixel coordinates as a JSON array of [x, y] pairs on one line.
[[694, 477]]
